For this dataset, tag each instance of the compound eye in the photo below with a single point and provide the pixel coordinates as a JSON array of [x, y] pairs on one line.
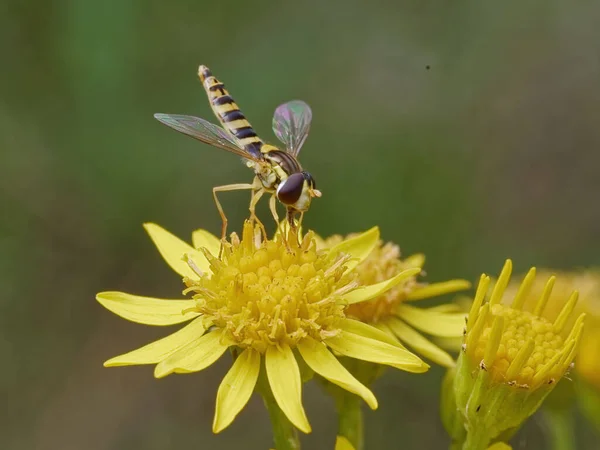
[[310, 180], [290, 189]]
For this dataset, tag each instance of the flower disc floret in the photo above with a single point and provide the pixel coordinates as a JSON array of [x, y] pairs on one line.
[[516, 346], [271, 293], [521, 329], [587, 282]]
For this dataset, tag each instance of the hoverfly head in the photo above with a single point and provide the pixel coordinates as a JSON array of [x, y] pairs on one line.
[[297, 191]]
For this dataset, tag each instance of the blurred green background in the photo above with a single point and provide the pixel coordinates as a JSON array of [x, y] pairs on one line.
[[466, 130]]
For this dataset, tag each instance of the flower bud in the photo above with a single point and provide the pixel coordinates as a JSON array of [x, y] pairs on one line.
[[511, 359]]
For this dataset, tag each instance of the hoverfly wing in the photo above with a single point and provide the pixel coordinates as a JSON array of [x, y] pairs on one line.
[[291, 123], [205, 132]]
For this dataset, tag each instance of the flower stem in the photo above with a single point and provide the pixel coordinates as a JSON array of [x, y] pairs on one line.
[[560, 429], [285, 435], [477, 439], [350, 418]]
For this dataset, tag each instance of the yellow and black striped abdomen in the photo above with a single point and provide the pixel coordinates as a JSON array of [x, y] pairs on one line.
[[228, 113]]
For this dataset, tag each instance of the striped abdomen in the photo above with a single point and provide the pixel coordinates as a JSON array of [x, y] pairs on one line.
[[228, 113]]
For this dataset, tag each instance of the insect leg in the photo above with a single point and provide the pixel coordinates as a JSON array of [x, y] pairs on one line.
[[256, 196], [280, 227], [226, 188], [300, 220], [273, 208], [290, 215]]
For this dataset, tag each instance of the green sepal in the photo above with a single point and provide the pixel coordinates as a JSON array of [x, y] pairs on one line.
[[490, 408], [452, 420]]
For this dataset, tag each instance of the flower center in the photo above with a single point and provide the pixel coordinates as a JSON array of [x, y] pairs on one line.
[[383, 263], [264, 292], [529, 338]]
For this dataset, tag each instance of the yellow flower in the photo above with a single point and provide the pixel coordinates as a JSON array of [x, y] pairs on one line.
[[392, 311], [271, 305], [587, 283], [511, 358]]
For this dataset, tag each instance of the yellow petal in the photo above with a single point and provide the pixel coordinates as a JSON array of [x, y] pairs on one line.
[[173, 250], [453, 344], [204, 239], [433, 322], [195, 356], [341, 443], [236, 388], [284, 378], [416, 260], [319, 359], [369, 331], [360, 347], [435, 289], [156, 351], [147, 310], [358, 247], [365, 293], [447, 308], [418, 343], [382, 326]]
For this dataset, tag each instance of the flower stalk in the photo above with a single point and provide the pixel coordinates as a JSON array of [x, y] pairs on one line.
[[285, 435], [477, 439], [350, 418]]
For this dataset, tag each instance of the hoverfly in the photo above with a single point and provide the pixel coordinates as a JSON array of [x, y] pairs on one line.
[[277, 172]]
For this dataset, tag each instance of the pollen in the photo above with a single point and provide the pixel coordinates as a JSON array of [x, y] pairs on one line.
[[273, 292], [382, 263], [519, 347]]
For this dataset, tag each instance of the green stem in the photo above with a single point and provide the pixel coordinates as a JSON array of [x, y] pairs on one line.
[[560, 429], [285, 435], [477, 439], [350, 418]]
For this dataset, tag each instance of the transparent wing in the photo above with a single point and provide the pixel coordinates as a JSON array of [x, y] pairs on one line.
[[204, 131], [291, 123]]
